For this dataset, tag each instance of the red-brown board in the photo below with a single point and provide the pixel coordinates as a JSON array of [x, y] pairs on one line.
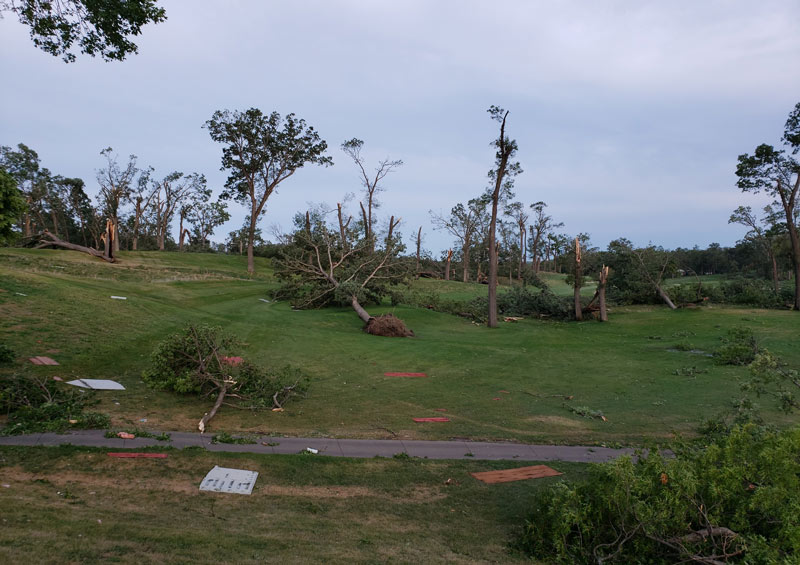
[[431, 419], [518, 474], [405, 375], [41, 360], [127, 455]]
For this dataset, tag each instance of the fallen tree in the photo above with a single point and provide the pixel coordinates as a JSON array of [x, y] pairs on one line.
[[326, 265], [47, 239], [195, 361]]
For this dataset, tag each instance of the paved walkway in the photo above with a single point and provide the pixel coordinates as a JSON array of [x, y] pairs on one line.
[[337, 447]]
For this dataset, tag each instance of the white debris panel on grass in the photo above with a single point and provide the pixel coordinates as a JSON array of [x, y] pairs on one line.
[[221, 479], [97, 384]]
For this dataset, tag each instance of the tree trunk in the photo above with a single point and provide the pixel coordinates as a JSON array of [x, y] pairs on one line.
[[465, 259], [665, 297], [54, 241], [363, 314], [601, 293], [447, 265], [522, 253], [207, 417], [492, 322], [578, 280], [793, 237], [115, 247], [419, 244], [775, 283]]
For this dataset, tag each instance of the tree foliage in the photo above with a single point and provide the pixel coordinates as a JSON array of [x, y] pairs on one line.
[[777, 172], [94, 27], [12, 205], [198, 360], [259, 152], [736, 500]]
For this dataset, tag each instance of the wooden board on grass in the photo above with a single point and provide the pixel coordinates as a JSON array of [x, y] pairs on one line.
[[518, 474]]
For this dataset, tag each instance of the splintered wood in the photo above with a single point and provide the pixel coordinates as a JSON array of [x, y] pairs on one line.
[[519, 474]]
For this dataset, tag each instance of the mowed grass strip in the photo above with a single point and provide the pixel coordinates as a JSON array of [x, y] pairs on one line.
[[77, 505], [624, 369]]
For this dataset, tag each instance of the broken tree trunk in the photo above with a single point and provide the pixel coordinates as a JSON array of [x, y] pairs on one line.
[[53, 241], [656, 283], [419, 244], [601, 293], [577, 282], [447, 265], [363, 314], [223, 391]]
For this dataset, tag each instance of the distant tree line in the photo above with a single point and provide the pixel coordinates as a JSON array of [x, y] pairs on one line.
[[141, 205]]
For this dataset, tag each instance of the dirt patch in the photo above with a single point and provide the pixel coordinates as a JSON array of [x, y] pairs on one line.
[[387, 326], [109, 480], [556, 421]]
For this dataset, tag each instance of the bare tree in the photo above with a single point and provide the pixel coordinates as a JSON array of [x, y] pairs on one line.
[[463, 223], [744, 215], [171, 194], [115, 187], [516, 212], [541, 228], [502, 175], [370, 182]]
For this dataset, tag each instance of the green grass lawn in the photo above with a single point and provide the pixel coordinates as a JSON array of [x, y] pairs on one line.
[[623, 368], [77, 505]]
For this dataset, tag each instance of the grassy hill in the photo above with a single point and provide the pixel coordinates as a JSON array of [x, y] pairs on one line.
[[510, 383]]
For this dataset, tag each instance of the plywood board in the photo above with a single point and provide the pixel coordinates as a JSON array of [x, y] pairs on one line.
[[222, 479], [518, 474], [42, 360], [431, 419], [97, 384], [130, 455]]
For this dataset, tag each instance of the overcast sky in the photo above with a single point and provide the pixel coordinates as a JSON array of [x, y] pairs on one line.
[[629, 115]]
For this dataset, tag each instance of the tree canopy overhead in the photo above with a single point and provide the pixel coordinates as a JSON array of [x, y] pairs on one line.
[[94, 27]]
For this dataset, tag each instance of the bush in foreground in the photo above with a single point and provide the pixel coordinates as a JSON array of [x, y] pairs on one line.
[[40, 405], [736, 500]]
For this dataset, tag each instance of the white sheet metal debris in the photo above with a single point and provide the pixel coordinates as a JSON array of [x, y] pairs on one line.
[[97, 384], [264, 300], [237, 481], [120, 297]]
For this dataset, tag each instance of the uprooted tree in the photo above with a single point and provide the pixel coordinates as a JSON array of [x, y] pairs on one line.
[[327, 264], [198, 361]]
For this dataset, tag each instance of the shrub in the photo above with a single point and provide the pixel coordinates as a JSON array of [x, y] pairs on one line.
[[198, 360], [40, 405], [737, 499], [739, 348], [6, 355]]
